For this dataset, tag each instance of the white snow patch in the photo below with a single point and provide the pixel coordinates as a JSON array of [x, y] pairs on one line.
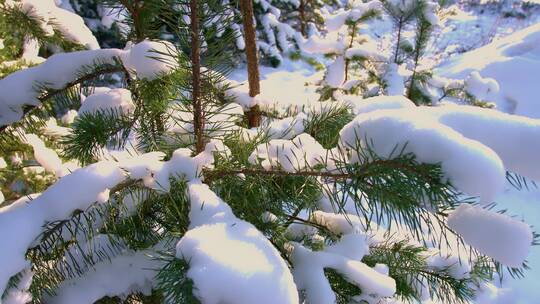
[[115, 99], [497, 235], [472, 167], [224, 250]]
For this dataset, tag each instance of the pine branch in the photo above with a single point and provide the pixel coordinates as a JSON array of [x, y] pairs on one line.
[[408, 266], [51, 93], [173, 281], [211, 175], [93, 131]]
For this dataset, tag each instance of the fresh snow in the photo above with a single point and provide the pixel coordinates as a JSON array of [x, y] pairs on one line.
[[51, 17], [122, 275], [29, 214], [223, 250], [19, 88], [291, 155], [148, 59], [510, 136], [474, 146], [115, 99], [497, 235], [513, 62], [470, 166]]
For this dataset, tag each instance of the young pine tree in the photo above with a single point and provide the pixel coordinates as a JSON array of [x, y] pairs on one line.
[[156, 187]]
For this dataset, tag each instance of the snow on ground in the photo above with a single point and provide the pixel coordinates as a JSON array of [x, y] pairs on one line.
[[514, 62], [468, 27], [291, 84]]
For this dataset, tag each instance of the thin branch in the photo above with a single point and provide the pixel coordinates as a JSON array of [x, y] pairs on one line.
[[400, 26], [210, 175], [219, 173], [198, 120], [348, 61]]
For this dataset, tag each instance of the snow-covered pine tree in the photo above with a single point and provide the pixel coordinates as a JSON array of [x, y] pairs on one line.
[[276, 37], [360, 68], [161, 193]]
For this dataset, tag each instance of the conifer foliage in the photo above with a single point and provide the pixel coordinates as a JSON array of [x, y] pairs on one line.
[[139, 175]]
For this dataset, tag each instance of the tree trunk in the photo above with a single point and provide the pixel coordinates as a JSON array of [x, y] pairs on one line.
[[254, 114], [198, 119], [134, 10], [302, 11]]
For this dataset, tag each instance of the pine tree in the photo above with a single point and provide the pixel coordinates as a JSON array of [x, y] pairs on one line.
[[161, 191]]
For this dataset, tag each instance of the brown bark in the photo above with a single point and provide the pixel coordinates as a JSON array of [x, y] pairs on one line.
[[198, 119], [302, 11], [134, 10], [254, 114]]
